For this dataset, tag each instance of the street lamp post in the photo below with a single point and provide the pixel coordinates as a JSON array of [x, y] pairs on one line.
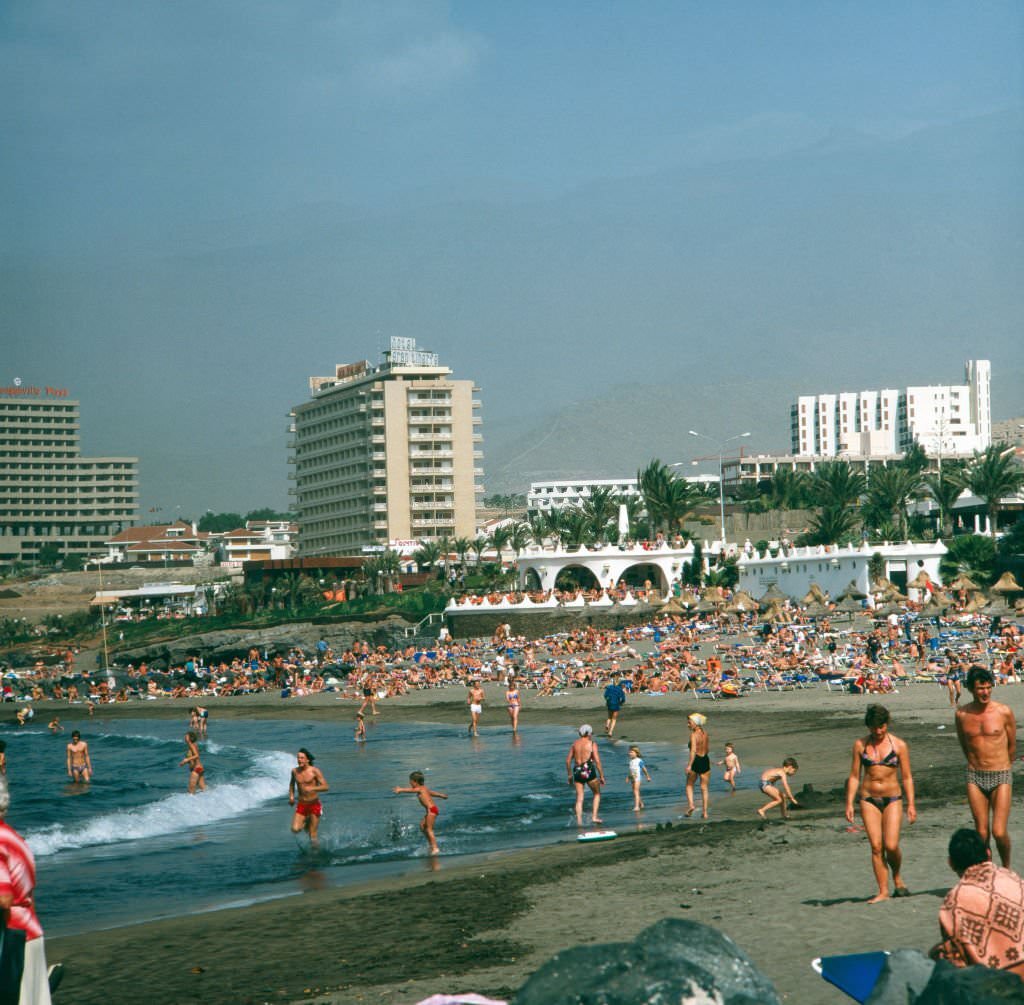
[[721, 471]]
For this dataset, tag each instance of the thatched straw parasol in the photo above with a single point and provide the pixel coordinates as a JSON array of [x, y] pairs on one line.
[[771, 596], [848, 605], [963, 582], [975, 604], [920, 582], [886, 609], [1006, 585], [744, 598], [852, 592], [815, 595], [672, 606], [816, 609]]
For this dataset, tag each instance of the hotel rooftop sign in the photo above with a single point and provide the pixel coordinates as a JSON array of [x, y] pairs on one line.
[[18, 389], [403, 352]]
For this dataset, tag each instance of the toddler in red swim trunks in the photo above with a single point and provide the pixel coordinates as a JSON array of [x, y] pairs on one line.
[[417, 785]]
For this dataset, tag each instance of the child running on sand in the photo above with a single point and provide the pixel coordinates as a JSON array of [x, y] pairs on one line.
[[789, 767], [417, 786], [636, 766], [732, 766]]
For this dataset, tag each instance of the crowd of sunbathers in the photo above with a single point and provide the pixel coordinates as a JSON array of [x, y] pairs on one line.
[[671, 652]]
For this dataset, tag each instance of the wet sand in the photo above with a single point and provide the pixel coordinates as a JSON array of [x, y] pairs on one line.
[[785, 891]]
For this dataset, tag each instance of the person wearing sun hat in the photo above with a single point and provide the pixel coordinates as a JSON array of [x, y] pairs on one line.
[[583, 765], [699, 765]]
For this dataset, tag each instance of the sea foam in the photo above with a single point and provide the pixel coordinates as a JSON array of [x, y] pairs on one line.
[[180, 812]]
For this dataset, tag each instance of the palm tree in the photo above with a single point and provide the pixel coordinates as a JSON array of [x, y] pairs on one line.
[[833, 524], [788, 489], [667, 499], [499, 539], [519, 537], [538, 528], [480, 543], [991, 476], [427, 555], [945, 488], [444, 545], [574, 528], [463, 546], [835, 484], [892, 490], [390, 569], [601, 507]]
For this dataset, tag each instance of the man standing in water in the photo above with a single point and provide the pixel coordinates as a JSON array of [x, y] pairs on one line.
[[987, 732], [476, 706], [306, 783], [79, 763]]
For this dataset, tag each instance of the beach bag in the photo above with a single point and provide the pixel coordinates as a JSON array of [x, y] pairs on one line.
[[12, 963]]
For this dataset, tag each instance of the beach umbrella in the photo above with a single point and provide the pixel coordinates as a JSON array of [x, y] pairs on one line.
[[816, 609], [920, 582], [815, 594], [672, 606], [964, 582], [1006, 585], [772, 595], [623, 522], [849, 605], [975, 604], [886, 609], [852, 592], [744, 598]]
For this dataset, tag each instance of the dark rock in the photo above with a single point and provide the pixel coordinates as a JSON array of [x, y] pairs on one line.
[[674, 962], [951, 985], [902, 979]]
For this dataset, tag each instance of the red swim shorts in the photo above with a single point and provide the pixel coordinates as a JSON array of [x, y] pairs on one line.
[[434, 810], [313, 809]]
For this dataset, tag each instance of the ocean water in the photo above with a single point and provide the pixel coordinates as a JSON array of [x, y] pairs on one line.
[[134, 846]]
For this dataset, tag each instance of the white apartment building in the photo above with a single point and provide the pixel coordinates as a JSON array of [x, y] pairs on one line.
[[385, 453], [544, 496], [49, 493], [949, 420]]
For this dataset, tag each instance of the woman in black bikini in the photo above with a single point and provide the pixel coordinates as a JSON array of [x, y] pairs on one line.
[[880, 760]]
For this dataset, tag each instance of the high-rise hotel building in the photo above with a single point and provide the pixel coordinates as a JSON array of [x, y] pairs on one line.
[[49, 493], [947, 420], [386, 455]]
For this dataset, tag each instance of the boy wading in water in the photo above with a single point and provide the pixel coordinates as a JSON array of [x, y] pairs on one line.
[[768, 787], [79, 762], [418, 787], [307, 783], [732, 766]]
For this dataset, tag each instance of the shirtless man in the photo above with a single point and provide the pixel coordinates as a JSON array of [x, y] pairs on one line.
[[79, 763], [987, 732], [307, 783], [476, 706]]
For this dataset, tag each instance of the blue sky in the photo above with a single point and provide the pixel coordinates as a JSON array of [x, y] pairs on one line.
[[207, 202]]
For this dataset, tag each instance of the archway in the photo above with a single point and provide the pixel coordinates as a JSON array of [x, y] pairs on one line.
[[531, 580], [574, 577], [637, 576]]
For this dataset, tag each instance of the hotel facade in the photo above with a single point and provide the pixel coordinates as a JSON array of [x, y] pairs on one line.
[[49, 493], [387, 455], [947, 420]]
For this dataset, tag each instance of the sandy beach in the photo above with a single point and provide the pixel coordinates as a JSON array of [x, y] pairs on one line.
[[785, 891]]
